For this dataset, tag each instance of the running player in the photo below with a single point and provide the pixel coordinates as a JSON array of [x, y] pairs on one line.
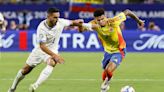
[[2, 23], [48, 35], [112, 40]]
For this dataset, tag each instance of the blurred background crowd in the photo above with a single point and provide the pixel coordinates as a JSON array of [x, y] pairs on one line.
[[24, 19], [67, 1]]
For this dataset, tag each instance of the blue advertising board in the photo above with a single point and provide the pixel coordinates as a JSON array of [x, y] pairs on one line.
[[87, 41]]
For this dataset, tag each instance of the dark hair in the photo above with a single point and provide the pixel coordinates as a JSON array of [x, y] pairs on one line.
[[99, 12], [52, 10]]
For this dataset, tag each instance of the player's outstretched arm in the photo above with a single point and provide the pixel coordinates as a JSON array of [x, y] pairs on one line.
[[83, 26], [88, 27], [128, 12], [77, 22]]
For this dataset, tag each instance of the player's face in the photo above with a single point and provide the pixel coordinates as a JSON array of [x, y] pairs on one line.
[[101, 20], [53, 17]]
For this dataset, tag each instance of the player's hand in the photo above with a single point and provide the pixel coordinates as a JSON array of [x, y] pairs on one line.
[[141, 23], [77, 22], [58, 59]]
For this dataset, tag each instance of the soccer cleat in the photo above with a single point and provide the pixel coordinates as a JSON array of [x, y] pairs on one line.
[[105, 85], [11, 90], [105, 90], [33, 87]]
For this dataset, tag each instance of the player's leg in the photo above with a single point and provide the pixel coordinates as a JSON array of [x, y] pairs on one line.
[[113, 63], [46, 72], [105, 61], [33, 60], [107, 65], [108, 73], [20, 75]]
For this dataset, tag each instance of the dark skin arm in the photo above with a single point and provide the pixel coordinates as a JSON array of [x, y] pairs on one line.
[[129, 13]]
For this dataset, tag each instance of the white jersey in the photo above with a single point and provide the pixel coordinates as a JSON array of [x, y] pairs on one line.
[[50, 36], [1, 17], [2, 23]]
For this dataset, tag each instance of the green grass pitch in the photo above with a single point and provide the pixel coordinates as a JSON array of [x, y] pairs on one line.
[[82, 73]]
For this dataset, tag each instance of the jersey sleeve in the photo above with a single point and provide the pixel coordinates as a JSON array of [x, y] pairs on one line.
[[118, 19], [41, 35], [66, 22]]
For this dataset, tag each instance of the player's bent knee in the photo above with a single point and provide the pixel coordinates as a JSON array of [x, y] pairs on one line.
[[26, 69], [111, 67]]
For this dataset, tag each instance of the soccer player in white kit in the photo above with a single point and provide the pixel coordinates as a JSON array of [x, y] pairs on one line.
[[48, 35], [2, 23]]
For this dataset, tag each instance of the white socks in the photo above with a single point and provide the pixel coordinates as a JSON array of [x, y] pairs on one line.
[[17, 79], [44, 75]]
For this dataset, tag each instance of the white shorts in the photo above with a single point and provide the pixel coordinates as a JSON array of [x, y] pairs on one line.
[[36, 57]]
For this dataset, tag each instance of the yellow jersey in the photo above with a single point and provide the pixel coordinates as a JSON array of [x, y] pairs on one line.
[[110, 35]]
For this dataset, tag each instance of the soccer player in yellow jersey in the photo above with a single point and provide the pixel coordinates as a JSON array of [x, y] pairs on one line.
[[112, 40]]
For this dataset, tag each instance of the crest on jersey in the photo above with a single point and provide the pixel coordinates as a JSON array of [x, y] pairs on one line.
[[111, 29]]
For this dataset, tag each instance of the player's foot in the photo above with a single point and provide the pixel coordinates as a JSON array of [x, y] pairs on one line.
[[11, 90], [105, 90], [33, 87], [105, 85]]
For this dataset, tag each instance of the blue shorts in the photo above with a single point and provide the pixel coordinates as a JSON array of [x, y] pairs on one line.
[[114, 57]]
